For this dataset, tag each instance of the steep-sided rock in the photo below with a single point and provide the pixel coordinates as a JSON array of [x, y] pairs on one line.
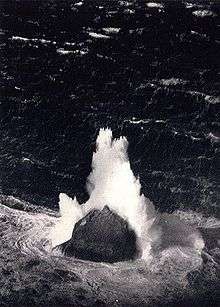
[[101, 236]]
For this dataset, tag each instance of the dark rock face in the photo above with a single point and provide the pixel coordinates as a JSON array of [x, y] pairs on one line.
[[101, 236], [211, 237]]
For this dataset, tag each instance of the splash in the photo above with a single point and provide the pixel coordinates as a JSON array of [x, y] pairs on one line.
[[113, 183], [110, 183], [71, 212]]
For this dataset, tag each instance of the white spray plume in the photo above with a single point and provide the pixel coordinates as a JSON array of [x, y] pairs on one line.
[[111, 183], [71, 213]]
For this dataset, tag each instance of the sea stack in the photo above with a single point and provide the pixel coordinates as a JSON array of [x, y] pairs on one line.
[[101, 236]]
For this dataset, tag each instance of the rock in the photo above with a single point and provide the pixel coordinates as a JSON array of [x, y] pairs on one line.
[[101, 236], [211, 237]]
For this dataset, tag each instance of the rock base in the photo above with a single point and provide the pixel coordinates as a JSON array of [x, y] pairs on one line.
[[101, 236]]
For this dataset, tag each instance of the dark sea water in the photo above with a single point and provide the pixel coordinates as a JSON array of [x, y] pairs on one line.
[[153, 78], [148, 71]]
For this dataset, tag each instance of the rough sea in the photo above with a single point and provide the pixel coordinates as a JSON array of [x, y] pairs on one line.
[[149, 71]]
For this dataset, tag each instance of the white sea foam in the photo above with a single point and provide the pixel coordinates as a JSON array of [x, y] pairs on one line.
[[79, 3], [63, 51], [37, 40], [155, 5], [98, 35], [111, 30], [204, 13]]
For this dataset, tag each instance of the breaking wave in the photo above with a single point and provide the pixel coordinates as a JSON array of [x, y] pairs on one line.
[[113, 183], [110, 183]]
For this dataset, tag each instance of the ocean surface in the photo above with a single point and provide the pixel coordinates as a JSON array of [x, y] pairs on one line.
[[150, 74], [148, 71]]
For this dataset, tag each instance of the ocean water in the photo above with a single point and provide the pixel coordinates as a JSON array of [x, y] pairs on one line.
[[149, 72], [178, 254], [153, 80]]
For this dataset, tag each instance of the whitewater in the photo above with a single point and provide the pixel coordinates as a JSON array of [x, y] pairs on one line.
[[171, 244], [111, 183]]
